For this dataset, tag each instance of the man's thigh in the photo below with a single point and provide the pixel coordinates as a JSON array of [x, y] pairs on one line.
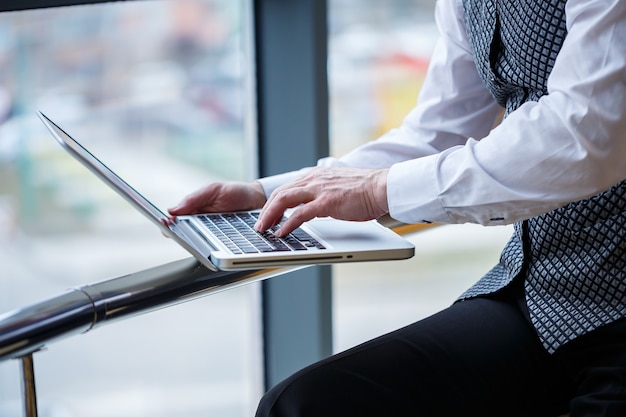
[[478, 358], [596, 363]]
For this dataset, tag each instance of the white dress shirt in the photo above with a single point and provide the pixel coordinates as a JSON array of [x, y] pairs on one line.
[[447, 162]]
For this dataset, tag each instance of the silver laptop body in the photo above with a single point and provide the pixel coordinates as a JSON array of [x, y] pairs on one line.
[[326, 240]]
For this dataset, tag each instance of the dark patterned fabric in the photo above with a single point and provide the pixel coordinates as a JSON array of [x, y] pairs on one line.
[[515, 43], [576, 278], [573, 259]]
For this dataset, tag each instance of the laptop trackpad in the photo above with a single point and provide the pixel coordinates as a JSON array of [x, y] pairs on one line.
[[348, 233]]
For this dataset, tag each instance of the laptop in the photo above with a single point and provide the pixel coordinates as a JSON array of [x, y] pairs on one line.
[[227, 241]]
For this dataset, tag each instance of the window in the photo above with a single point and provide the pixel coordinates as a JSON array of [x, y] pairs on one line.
[[161, 91]]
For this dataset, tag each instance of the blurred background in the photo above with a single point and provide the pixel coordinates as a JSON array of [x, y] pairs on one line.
[[162, 91]]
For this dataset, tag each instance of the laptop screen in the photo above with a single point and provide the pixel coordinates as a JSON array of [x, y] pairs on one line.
[[104, 172]]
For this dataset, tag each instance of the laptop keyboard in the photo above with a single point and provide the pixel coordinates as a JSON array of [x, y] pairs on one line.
[[236, 231]]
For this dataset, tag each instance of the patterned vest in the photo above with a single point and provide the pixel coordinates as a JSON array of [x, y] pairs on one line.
[[572, 259]]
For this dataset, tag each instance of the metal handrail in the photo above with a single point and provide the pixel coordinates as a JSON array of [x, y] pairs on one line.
[[81, 309], [27, 330]]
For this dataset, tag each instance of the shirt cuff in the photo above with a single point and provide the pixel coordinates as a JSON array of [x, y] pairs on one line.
[[413, 194]]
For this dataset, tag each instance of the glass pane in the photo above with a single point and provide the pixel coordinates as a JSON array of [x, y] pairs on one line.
[[378, 55], [161, 92]]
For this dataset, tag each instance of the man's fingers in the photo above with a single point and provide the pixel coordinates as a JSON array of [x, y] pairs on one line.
[[301, 215], [185, 206], [281, 200], [174, 211], [192, 204]]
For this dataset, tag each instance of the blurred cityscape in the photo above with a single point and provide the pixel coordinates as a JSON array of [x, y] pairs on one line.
[[161, 91]]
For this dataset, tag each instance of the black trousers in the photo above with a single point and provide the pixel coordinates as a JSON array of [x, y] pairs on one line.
[[479, 357]]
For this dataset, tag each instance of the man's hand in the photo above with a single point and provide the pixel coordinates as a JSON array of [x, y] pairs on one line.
[[221, 197], [341, 193]]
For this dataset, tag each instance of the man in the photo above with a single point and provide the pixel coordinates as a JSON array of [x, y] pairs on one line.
[[543, 333]]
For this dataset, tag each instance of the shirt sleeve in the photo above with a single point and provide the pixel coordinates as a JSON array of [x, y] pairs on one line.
[[447, 162], [567, 146]]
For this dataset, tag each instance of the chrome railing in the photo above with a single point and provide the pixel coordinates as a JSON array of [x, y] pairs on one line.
[[81, 309], [27, 330]]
